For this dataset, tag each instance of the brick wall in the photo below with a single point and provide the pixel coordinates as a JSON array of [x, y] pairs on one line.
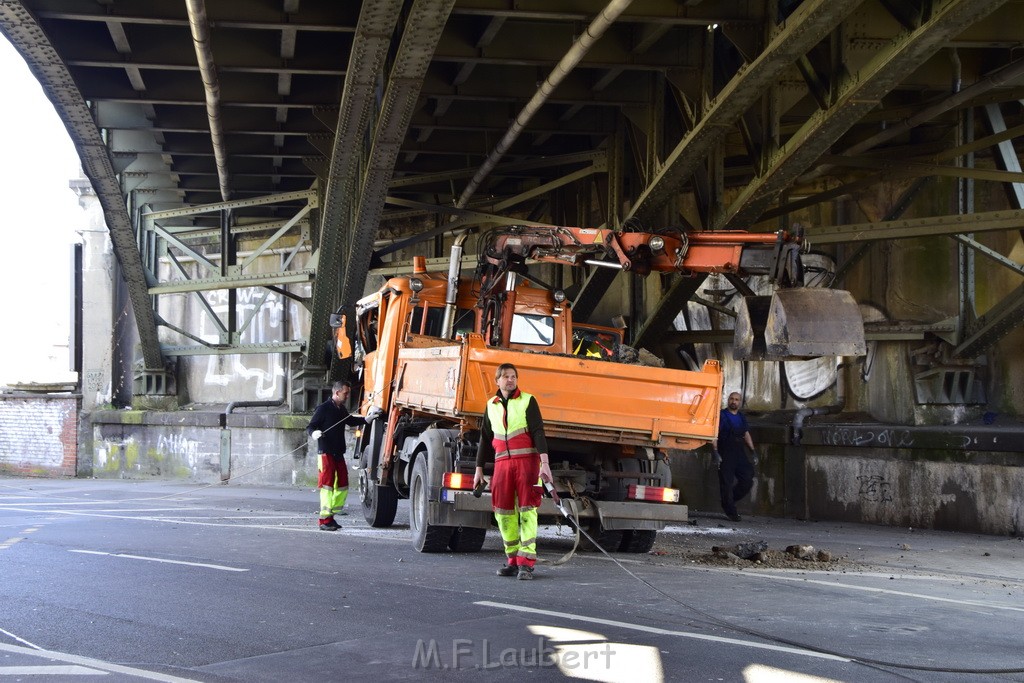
[[38, 435]]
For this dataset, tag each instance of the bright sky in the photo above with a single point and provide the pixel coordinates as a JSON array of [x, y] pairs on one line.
[[39, 216]]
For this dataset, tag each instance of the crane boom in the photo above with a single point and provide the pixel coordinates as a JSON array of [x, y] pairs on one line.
[[789, 324]]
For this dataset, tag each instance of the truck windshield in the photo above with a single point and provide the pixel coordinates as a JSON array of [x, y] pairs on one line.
[[533, 329]]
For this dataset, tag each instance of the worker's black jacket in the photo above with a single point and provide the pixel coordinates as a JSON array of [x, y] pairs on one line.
[[326, 416]]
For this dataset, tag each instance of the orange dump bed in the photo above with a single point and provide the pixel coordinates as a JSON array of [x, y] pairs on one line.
[[580, 398]]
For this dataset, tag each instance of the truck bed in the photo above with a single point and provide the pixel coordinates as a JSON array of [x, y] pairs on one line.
[[580, 398]]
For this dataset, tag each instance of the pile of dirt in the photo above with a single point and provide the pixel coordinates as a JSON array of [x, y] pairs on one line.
[[756, 554]]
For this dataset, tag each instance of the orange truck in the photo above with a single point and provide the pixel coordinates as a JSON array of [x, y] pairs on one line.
[[427, 347]]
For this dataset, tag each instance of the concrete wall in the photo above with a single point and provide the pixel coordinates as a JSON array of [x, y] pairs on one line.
[[98, 315], [38, 434], [904, 491], [876, 474], [206, 447]]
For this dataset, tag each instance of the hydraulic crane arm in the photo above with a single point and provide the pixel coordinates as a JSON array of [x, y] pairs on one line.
[[689, 253], [793, 323]]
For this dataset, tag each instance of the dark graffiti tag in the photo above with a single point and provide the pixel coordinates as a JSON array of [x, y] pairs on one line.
[[875, 489], [854, 436]]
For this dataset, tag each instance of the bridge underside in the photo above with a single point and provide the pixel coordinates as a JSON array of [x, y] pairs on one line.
[[259, 160]]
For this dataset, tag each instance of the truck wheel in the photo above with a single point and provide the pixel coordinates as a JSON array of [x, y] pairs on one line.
[[427, 538], [638, 541], [609, 539], [467, 539], [380, 503]]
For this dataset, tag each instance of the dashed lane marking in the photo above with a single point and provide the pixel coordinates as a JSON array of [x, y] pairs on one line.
[[160, 559], [11, 541]]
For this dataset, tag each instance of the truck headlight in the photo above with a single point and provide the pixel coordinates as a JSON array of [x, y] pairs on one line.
[[656, 243]]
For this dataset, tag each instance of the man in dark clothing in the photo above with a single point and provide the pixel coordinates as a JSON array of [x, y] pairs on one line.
[[735, 473], [327, 427]]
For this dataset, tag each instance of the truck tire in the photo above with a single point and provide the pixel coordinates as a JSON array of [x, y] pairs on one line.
[[467, 539], [638, 541], [609, 539], [379, 503], [426, 537]]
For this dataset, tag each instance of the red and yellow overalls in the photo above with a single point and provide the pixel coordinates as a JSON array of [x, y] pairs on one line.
[[515, 488]]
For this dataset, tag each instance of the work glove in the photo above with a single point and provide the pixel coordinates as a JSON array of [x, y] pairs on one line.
[[372, 414], [316, 434], [716, 458]]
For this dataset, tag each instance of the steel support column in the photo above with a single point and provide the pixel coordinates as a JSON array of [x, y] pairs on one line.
[[370, 46]]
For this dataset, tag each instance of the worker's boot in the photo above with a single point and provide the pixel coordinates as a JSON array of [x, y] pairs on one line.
[[508, 570], [525, 573]]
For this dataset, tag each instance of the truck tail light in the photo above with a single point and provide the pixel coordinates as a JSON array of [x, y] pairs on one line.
[[655, 493], [457, 480]]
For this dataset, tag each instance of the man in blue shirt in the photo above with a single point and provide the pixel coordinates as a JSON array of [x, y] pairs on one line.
[[735, 473]]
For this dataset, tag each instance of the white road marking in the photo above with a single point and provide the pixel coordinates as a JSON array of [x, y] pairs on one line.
[[307, 527], [50, 671], [661, 631], [96, 664], [884, 591], [20, 640], [72, 501], [160, 559], [10, 541]]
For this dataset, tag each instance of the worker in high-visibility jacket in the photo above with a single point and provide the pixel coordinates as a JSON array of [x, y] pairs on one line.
[[513, 434]]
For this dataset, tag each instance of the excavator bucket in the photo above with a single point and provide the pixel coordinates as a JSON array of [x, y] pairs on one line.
[[797, 324]]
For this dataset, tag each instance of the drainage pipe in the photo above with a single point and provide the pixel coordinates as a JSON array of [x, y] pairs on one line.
[[200, 26], [837, 407], [580, 48]]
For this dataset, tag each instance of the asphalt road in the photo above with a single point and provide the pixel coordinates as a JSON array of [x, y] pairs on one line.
[[162, 581]]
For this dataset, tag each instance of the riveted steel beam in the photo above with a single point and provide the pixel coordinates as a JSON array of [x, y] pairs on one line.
[[803, 29], [286, 277], [424, 24], [370, 46], [917, 227], [27, 36], [993, 325], [860, 93]]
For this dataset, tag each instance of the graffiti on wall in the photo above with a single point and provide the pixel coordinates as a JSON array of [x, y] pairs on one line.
[[857, 436], [874, 489], [264, 373]]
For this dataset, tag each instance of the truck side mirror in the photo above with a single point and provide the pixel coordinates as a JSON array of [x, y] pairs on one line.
[[342, 344]]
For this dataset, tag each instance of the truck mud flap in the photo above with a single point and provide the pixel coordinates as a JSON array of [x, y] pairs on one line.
[[797, 324], [445, 514], [613, 515]]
